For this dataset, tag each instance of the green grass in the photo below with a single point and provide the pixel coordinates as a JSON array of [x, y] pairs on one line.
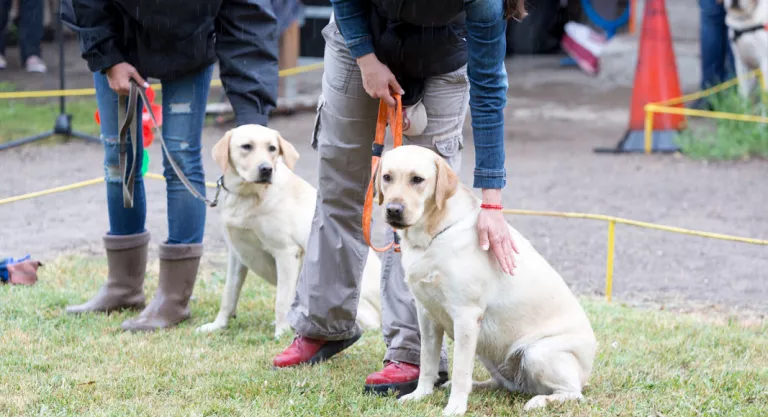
[[21, 118], [727, 139], [650, 363]]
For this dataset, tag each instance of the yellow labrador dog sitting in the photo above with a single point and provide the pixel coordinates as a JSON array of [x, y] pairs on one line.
[[267, 212], [528, 330]]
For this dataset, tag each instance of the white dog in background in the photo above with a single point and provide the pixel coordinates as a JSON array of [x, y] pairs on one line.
[[528, 330], [267, 212], [746, 21]]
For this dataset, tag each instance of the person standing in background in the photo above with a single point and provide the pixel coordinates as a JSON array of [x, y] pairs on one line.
[[30, 33], [177, 42]]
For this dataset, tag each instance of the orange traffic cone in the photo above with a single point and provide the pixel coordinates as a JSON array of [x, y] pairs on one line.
[[655, 80]]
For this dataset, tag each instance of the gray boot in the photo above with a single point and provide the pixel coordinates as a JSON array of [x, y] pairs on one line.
[[124, 289], [178, 272]]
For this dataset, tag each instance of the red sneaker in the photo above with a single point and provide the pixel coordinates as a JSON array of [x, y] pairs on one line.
[[399, 377], [310, 351]]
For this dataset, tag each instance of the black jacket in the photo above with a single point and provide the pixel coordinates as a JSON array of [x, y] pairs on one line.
[[418, 39], [166, 39]]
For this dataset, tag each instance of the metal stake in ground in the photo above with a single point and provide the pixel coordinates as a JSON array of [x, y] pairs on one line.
[[63, 124]]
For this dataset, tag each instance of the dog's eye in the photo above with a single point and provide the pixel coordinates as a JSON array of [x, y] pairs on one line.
[[417, 180], [272, 148], [386, 178], [246, 147]]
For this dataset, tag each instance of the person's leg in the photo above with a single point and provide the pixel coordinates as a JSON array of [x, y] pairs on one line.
[[5, 10], [716, 56], [713, 43], [446, 101], [127, 240], [324, 311], [184, 101], [31, 34]]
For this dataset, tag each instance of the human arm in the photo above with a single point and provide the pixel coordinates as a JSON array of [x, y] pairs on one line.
[[246, 45], [353, 21], [94, 22], [486, 45]]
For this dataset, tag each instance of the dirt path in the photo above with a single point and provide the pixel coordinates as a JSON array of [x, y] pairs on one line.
[[555, 117]]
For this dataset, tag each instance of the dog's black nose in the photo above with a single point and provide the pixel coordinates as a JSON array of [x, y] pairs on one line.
[[395, 210], [265, 170]]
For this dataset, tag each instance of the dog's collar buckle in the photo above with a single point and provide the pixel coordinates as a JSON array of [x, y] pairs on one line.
[[219, 186]]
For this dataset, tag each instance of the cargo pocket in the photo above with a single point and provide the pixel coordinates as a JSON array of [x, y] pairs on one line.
[[316, 128], [449, 147]]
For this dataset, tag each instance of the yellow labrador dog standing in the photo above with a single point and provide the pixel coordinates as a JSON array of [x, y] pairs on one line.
[[528, 329], [746, 21], [267, 212]]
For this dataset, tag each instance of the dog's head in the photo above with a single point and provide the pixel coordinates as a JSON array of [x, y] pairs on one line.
[[252, 151], [741, 8], [411, 182]]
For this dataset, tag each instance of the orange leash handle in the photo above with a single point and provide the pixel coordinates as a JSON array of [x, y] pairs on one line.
[[395, 119]]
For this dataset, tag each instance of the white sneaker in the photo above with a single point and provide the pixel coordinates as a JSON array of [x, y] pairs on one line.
[[36, 64], [3, 62]]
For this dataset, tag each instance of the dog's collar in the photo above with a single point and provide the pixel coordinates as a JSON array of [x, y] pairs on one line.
[[220, 184], [443, 231], [737, 33]]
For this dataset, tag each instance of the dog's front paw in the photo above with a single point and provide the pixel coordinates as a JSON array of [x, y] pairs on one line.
[[455, 407], [420, 393], [211, 327]]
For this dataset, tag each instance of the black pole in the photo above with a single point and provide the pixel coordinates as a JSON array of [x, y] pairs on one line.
[[62, 77], [63, 123]]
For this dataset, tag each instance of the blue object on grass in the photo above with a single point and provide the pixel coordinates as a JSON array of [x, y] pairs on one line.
[[4, 276]]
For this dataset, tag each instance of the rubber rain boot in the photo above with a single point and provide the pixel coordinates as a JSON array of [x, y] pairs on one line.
[[124, 289], [178, 272]]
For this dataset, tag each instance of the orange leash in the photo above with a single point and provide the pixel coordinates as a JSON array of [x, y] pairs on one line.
[[395, 119]]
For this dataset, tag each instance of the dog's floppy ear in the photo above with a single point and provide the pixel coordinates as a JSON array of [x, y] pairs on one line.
[[446, 183], [288, 152], [377, 184], [221, 151]]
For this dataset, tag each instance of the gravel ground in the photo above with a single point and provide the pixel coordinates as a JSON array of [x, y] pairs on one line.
[[555, 118]]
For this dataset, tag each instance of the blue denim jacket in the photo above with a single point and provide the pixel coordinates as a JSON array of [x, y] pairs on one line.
[[487, 47]]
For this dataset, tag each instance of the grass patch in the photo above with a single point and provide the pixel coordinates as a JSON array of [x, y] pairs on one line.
[[727, 139], [22, 118], [650, 363]]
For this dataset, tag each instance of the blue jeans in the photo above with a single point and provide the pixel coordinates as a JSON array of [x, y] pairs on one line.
[[716, 55], [184, 101], [30, 26]]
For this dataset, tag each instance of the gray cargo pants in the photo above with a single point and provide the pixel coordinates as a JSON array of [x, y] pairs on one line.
[[328, 290]]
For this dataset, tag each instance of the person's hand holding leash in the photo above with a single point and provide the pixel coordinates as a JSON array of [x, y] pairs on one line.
[[378, 80], [120, 76], [493, 233]]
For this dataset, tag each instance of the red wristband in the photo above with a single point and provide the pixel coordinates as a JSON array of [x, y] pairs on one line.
[[491, 206]]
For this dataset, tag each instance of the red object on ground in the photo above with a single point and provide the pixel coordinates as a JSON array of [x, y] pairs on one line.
[[300, 351], [146, 121], [394, 373]]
